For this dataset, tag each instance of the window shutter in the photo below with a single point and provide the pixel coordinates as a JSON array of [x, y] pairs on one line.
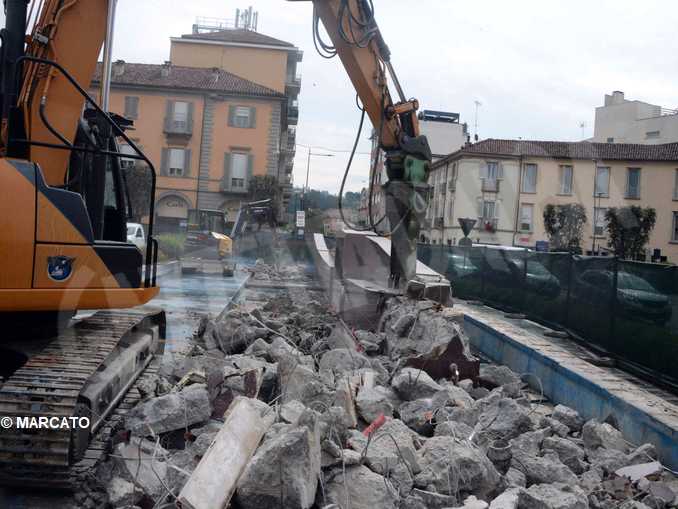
[[480, 207], [164, 161], [231, 116], [496, 210], [500, 170], [131, 107], [187, 162], [253, 117], [169, 115], [189, 118], [250, 170], [483, 170], [226, 181]]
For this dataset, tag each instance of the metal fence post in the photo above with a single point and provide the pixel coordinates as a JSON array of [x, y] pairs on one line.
[[483, 259]]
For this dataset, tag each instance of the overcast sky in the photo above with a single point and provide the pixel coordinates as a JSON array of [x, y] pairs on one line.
[[538, 68]]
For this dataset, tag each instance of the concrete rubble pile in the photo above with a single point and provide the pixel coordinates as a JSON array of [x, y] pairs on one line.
[[281, 406]]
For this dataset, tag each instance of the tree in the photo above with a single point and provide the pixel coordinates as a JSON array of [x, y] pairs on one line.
[[564, 225], [629, 230]]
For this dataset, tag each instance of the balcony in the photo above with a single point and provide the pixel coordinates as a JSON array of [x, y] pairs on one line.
[[490, 185], [293, 84], [452, 185], [488, 224], [289, 166], [226, 186], [291, 139], [178, 127], [293, 113], [439, 222]]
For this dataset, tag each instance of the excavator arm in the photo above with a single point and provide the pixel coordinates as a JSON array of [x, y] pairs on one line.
[[356, 39]]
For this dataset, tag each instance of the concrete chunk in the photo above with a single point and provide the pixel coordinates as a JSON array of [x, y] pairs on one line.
[[568, 416], [170, 412], [413, 384], [552, 496], [360, 488]]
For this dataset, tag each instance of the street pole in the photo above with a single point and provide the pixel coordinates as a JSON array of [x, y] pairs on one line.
[[303, 192]]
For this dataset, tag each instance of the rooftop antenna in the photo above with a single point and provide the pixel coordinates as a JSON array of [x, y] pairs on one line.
[[478, 103], [582, 125]]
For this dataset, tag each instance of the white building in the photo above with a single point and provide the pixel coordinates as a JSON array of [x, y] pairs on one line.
[[444, 132], [624, 121]]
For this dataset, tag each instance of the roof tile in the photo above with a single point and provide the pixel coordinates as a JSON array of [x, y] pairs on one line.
[[570, 150], [192, 78]]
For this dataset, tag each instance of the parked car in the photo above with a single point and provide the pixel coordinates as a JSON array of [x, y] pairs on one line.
[[136, 235], [459, 266], [511, 272], [636, 297]]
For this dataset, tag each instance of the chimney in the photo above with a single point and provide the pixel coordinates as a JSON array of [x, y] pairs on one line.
[[118, 68], [617, 97], [165, 69]]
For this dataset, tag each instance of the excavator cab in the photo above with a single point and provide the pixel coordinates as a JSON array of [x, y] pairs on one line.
[[66, 202]]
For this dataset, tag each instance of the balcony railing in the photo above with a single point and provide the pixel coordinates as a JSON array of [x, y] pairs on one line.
[[490, 185], [173, 126], [488, 224], [452, 185]]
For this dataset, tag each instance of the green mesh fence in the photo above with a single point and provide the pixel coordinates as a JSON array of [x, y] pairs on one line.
[[628, 309]]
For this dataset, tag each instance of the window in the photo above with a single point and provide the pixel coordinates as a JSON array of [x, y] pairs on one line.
[[126, 162], [602, 186], [675, 184], [131, 107], [599, 221], [674, 231], [650, 135], [180, 116], [526, 213], [566, 180], [176, 162], [488, 210], [243, 117], [633, 183], [491, 174], [529, 184], [238, 170], [610, 140]]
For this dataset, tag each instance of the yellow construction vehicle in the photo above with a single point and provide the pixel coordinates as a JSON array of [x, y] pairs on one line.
[[64, 207], [63, 242]]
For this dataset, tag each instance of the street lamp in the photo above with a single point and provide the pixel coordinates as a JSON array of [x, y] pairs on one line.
[[308, 168]]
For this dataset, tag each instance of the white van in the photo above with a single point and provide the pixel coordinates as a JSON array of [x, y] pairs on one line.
[[136, 235]]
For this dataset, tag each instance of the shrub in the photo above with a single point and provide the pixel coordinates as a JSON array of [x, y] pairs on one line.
[[171, 244]]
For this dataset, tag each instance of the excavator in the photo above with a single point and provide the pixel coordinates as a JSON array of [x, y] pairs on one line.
[[64, 206]]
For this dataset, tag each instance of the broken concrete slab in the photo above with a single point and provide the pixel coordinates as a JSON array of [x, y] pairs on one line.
[[504, 420], [283, 472], [340, 362], [411, 384], [472, 502], [507, 500], [170, 412], [121, 492], [493, 376], [552, 496], [568, 452], [442, 458], [143, 463], [568, 416], [637, 472], [596, 434], [544, 469], [298, 382], [458, 430], [358, 487], [214, 480], [375, 401]]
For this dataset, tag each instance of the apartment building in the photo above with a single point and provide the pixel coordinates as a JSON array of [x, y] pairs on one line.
[[506, 184], [620, 120], [222, 110], [257, 57]]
